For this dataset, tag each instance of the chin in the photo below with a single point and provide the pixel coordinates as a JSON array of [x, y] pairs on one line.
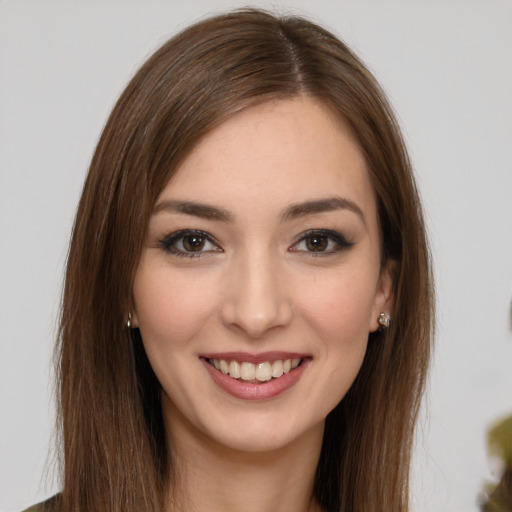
[[264, 433]]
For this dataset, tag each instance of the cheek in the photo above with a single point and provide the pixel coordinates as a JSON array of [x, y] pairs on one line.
[[338, 317], [339, 307], [171, 305]]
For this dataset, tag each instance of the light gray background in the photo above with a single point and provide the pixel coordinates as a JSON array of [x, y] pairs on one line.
[[447, 67]]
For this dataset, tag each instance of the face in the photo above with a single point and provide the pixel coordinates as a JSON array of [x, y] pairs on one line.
[[261, 278]]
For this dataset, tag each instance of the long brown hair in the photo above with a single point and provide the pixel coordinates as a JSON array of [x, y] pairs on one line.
[[115, 448]]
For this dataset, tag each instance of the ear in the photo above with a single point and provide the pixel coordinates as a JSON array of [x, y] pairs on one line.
[[384, 295]]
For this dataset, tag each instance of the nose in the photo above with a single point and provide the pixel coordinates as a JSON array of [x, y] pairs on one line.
[[256, 297]]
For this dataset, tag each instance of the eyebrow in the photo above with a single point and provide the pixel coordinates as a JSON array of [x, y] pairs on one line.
[[201, 210], [329, 204], [293, 211]]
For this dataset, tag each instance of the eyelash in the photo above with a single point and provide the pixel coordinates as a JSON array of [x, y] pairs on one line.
[[340, 242], [169, 242]]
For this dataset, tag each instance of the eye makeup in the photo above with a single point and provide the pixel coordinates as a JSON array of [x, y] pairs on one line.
[[189, 243], [193, 243], [320, 242]]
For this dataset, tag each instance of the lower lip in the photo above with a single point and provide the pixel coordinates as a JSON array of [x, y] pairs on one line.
[[251, 391]]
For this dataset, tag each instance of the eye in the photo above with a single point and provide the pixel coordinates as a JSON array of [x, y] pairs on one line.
[[189, 243], [321, 242]]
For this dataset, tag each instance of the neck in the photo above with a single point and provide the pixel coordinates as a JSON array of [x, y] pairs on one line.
[[211, 477]]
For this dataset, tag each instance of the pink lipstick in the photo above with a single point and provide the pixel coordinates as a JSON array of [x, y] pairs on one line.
[[255, 376]]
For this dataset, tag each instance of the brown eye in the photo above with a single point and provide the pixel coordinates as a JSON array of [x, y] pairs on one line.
[[317, 243], [189, 243], [193, 243], [321, 242]]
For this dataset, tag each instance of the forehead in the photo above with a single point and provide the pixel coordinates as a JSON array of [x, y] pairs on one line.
[[274, 154]]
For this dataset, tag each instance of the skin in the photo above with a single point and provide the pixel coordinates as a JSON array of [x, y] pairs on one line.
[[256, 285]]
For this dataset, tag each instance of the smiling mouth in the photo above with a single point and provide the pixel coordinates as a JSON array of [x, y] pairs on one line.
[[255, 373]]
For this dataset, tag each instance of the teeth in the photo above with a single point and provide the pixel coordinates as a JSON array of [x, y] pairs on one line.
[[277, 368], [262, 372], [248, 371], [224, 367], [234, 369]]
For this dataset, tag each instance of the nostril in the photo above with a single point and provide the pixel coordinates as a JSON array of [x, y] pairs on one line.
[[255, 320]]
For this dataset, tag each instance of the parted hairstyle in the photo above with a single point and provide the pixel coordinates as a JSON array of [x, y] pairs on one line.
[[116, 455]]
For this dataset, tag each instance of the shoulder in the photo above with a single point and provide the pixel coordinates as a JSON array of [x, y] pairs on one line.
[[50, 505]]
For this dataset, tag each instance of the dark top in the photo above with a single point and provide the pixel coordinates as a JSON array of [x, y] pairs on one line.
[[50, 505]]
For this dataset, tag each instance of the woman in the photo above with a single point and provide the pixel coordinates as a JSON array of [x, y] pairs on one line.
[[247, 229]]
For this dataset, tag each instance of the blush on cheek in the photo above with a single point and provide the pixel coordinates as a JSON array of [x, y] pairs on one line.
[[337, 312], [171, 311]]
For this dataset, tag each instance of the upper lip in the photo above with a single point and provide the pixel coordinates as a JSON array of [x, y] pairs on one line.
[[255, 358]]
